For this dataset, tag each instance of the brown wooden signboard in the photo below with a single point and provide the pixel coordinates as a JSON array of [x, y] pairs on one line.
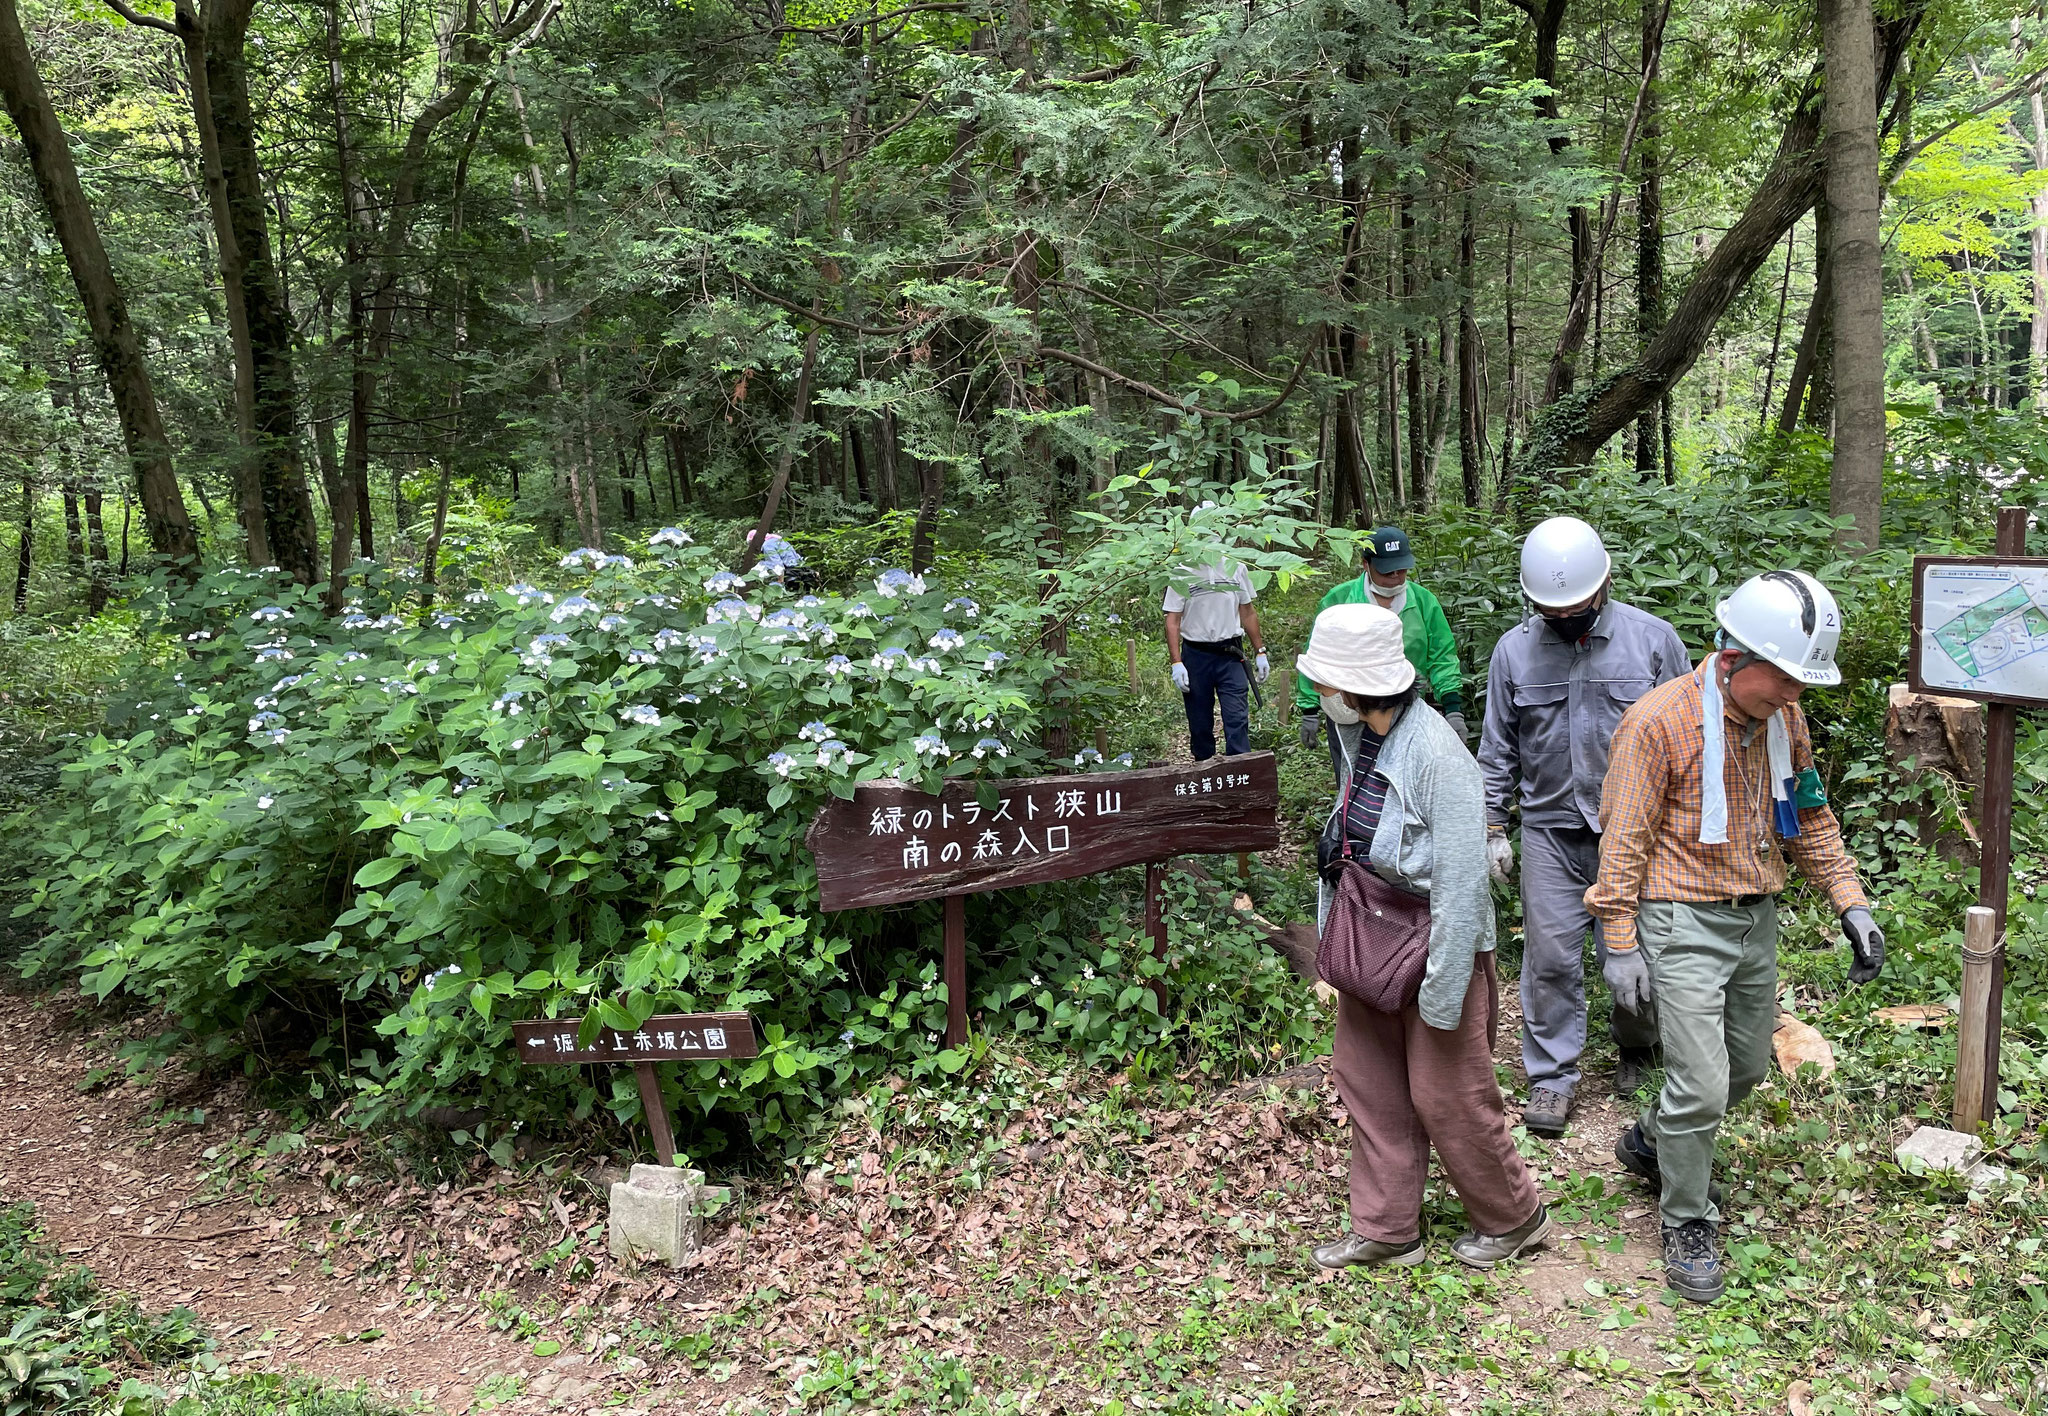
[[668, 1037], [892, 843]]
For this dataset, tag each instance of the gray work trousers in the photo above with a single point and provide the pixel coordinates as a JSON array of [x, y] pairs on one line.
[[1559, 864], [1715, 969]]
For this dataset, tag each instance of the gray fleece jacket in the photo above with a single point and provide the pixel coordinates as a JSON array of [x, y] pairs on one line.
[[1432, 839]]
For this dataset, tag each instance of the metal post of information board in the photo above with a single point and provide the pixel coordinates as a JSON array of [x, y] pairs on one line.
[[1994, 826], [956, 970]]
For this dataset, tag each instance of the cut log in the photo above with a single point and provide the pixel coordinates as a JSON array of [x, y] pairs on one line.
[[1931, 737]]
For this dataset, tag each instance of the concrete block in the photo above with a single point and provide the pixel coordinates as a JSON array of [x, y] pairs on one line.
[[655, 1212], [1937, 1149]]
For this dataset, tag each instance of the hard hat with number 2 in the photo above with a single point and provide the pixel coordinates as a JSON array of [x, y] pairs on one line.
[[1787, 619]]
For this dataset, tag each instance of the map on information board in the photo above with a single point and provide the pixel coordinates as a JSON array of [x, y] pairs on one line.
[[1984, 629]]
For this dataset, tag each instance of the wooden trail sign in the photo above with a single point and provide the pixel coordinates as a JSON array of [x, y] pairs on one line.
[[668, 1037], [893, 843], [1980, 630]]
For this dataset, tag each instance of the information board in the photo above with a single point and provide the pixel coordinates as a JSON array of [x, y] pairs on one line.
[[1980, 628]]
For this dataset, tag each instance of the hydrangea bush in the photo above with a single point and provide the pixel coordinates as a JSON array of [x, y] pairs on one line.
[[385, 836]]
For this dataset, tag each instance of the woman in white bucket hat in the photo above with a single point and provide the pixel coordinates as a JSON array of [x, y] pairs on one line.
[[1413, 806]]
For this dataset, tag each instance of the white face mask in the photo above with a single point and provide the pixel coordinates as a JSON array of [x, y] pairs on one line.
[[1340, 712], [1395, 599]]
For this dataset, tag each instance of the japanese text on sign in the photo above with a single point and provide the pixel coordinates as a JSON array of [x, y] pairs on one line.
[[670, 1038]]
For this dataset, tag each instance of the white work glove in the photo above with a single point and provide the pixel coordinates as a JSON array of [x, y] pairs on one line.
[[1180, 677], [1265, 668], [1866, 942], [1628, 979], [1500, 857], [1457, 722]]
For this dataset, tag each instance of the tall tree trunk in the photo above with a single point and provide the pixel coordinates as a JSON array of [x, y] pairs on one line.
[[1857, 260], [115, 342], [1547, 18], [2037, 340], [1471, 407], [1763, 412], [287, 503], [924, 533], [74, 533], [1653, 432]]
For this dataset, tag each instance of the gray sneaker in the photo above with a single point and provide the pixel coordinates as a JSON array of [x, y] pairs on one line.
[[1546, 1112], [1357, 1249], [1483, 1251]]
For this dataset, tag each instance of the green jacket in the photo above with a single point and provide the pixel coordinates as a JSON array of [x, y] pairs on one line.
[[1425, 634]]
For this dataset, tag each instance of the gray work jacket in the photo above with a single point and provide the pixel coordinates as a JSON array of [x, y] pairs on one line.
[[1432, 840], [1552, 707]]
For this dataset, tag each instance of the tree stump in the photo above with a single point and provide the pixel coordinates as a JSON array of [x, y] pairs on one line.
[[1930, 738]]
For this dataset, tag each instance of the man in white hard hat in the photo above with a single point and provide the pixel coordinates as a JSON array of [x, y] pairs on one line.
[[1558, 684], [1710, 785]]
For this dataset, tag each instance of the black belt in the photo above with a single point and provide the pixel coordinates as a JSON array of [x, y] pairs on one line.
[[1228, 648], [1742, 902]]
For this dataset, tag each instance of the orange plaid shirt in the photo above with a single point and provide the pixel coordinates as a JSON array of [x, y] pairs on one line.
[[1650, 816]]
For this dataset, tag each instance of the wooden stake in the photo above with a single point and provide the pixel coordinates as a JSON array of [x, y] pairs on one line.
[[1994, 825], [1131, 661], [657, 1114], [1155, 923], [1102, 740], [956, 970], [1980, 960]]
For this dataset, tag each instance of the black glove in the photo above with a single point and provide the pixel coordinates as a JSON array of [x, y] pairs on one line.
[[1311, 726], [1457, 722], [1866, 942]]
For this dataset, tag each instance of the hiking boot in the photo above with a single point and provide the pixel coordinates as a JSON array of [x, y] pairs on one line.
[[1546, 1112], [1357, 1249], [1692, 1259], [1632, 1071], [1483, 1251], [1639, 1158]]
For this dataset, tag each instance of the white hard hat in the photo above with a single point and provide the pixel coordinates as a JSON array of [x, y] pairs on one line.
[[1357, 648], [1563, 562], [1786, 618]]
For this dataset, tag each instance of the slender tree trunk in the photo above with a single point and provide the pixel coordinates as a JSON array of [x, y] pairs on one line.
[[1763, 413], [1653, 432], [799, 409], [115, 342], [96, 538], [1548, 17], [931, 495], [25, 546], [74, 533]]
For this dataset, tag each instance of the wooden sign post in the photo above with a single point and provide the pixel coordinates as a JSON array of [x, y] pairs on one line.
[[892, 843], [670, 1037], [1980, 630]]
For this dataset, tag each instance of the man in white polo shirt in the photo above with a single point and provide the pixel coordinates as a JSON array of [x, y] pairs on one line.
[[1207, 623]]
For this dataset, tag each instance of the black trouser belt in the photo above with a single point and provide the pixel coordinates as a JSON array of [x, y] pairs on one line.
[[1228, 648], [1741, 902]]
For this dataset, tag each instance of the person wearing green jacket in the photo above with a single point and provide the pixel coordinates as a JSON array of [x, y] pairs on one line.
[[1387, 581]]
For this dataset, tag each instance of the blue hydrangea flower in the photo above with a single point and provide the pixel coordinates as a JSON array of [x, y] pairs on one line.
[[732, 609], [886, 659], [946, 640], [572, 607], [782, 762], [508, 702], [965, 606], [542, 643], [670, 536], [262, 721], [809, 602], [995, 658], [777, 556], [527, 594], [838, 664], [576, 559], [893, 582], [612, 622], [725, 583], [860, 611], [988, 745], [270, 614], [356, 622], [643, 714], [272, 654], [928, 745], [814, 731], [1086, 756], [828, 748], [447, 620]]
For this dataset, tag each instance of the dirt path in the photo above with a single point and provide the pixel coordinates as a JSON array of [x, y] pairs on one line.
[[126, 1194], [382, 1284]]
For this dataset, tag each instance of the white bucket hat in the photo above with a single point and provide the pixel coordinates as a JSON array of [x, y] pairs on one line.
[[1357, 648]]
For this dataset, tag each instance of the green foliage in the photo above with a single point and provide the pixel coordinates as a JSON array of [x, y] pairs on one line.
[[60, 1338]]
